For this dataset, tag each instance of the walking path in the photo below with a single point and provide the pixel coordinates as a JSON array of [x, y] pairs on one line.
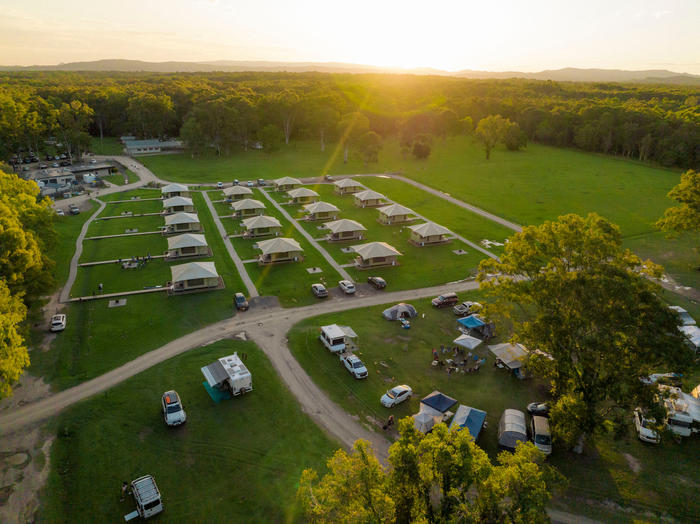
[[122, 294], [132, 200], [125, 235], [130, 215], [312, 240], [250, 286]]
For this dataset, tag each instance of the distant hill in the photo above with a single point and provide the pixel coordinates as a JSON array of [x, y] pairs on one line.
[[568, 74]]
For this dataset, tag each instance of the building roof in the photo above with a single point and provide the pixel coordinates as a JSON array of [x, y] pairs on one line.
[[286, 181], [177, 201], [174, 188], [302, 192], [344, 225], [347, 182], [429, 229], [186, 240], [375, 249], [278, 245], [320, 207], [181, 218], [238, 190], [260, 221], [335, 331], [368, 194], [193, 270], [151, 142], [395, 210], [247, 203]]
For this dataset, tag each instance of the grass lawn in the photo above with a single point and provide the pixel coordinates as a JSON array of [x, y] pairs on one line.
[[127, 195], [134, 206], [115, 279], [121, 179], [67, 230], [669, 476], [231, 461], [118, 226], [123, 247], [109, 145]]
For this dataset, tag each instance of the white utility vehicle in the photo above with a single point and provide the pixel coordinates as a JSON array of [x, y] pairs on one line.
[[645, 427], [354, 365], [229, 373], [58, 323], [147, 497], [173, 412]]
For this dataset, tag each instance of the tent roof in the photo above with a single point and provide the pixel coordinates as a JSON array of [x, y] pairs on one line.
[[393, 210], [395, 311], [693, 334], [181, 218], [247, 203], [186, 240], [279, 245], [439, 401], [260, 221], [193, 270], [375, 249], [174, 188], [512, 355], [336, 331], [238, 190], [512, 428], [368, 194], [467, 341], [470, 418], [177, 201], [343, 225], [471, 322], [347, 182], [429, 229], [301, 192], [320, 207], [286, 181]]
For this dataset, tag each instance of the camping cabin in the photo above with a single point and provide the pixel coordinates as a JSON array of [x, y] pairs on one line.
[[178, 204], [395, 214], [278, 250], [285, 183], [175, 190], [261, 226], [344, 229], [302, 195], [182, 223], [187, 245], [369, 198], [247, 208], [347, 186], [194, 276], [321, 211], [375, 254], [428, 234], [338, 339], [234, 193]]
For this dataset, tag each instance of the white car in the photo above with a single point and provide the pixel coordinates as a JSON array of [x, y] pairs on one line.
[[347, 287], [644, 428], [220, 185], [396, 395], [58, 323], [250, 183], [354, 365], [173, 412], [60, 213]]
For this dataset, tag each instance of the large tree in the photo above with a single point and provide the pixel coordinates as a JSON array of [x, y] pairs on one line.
[[686, 215], [491, 131], [352, 128], [13, 353], [572, 292]]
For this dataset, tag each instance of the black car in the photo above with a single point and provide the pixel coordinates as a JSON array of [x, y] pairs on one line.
[[65, 162], [377, 282], [240, 301]]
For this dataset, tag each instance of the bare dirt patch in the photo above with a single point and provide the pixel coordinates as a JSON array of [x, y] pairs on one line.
[[633, 463]]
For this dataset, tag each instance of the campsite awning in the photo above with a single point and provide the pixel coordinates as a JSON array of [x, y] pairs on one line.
[[439, 401], [512, 355], [467, 341], [471, 322]]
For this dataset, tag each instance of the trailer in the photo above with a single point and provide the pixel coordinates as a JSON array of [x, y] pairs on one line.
[[229, 373], [682, 411]]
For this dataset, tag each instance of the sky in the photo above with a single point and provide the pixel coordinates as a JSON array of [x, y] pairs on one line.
[[493, 35]]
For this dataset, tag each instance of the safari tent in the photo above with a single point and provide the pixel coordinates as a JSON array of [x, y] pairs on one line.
[[375, 254], [182, 223], [428, 234], [277, 250], [302, 195], [178, 204], [400, 310], [247, 207], [369, 198], [237, 192], [347, 186], [261, 226], [321, 211], [344, 229], [187, 245], [285, 183], [194, 276], [174, 190], [395, 214]]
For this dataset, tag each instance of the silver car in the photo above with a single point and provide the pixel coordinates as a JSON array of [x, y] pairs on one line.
[[173, 412]]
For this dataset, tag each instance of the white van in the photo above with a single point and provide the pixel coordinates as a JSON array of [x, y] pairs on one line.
[[539, 429], [147, 497]]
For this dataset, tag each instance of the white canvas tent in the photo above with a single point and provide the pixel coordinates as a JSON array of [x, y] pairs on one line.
[[423, 422], [237, 190], [175, 189], [467, 341]]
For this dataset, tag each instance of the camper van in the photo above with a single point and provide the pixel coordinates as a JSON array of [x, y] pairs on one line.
[[337, 339], [539, 429]]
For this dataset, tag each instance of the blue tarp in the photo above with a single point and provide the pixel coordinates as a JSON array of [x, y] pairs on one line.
[[438, 401], [471, 322], [217, 395], [470, 418]]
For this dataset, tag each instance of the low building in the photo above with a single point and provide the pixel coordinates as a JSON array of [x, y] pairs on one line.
[[428, 234], [187, 245], [237, 193], [286, 183], [375, 254], [369, 198], [347, 186], [247, 207], [182, 223], [277, 250], [194, 276], [178, 204], [344, 229], [175, 190], [321, 211], [395, 214], [261, 226], [303, 195], [151, 146]]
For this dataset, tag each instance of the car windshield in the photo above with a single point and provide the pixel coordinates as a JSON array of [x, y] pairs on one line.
[[56, 323], [240, 300], [358, 364], [544, 440], [391, 393], [648, 424], [174, 409]]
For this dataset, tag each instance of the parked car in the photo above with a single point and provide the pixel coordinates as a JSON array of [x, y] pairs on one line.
[[466, 308], [65, 163], [645, 427], [73, 209], [235, 182], [219, 185], [63, 156], [541, 436], [173, 412], [147, 498], [240, 301], [93, 161], [354, 365], [261, 182], [55, 164], [43, 166], [250, 183], [396, 395], [58, 323], [377, 282], [448, 299], [538, 408], [347, 287], [319, 290], [60, 213]]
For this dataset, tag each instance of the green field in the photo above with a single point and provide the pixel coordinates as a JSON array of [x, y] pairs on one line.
[[108, 145], [67, 230], [239, 460], [669, 473]]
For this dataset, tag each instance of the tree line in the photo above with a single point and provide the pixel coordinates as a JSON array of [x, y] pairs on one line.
[[231, 111]]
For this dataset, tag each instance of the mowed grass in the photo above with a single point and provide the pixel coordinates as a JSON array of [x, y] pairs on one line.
[[239, 460], [133, 196], [134, 206], [123, 247], [67, 230], [669, 475], [108, 145]]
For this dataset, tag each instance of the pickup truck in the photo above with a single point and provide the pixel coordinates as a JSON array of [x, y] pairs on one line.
[[354, 365]]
